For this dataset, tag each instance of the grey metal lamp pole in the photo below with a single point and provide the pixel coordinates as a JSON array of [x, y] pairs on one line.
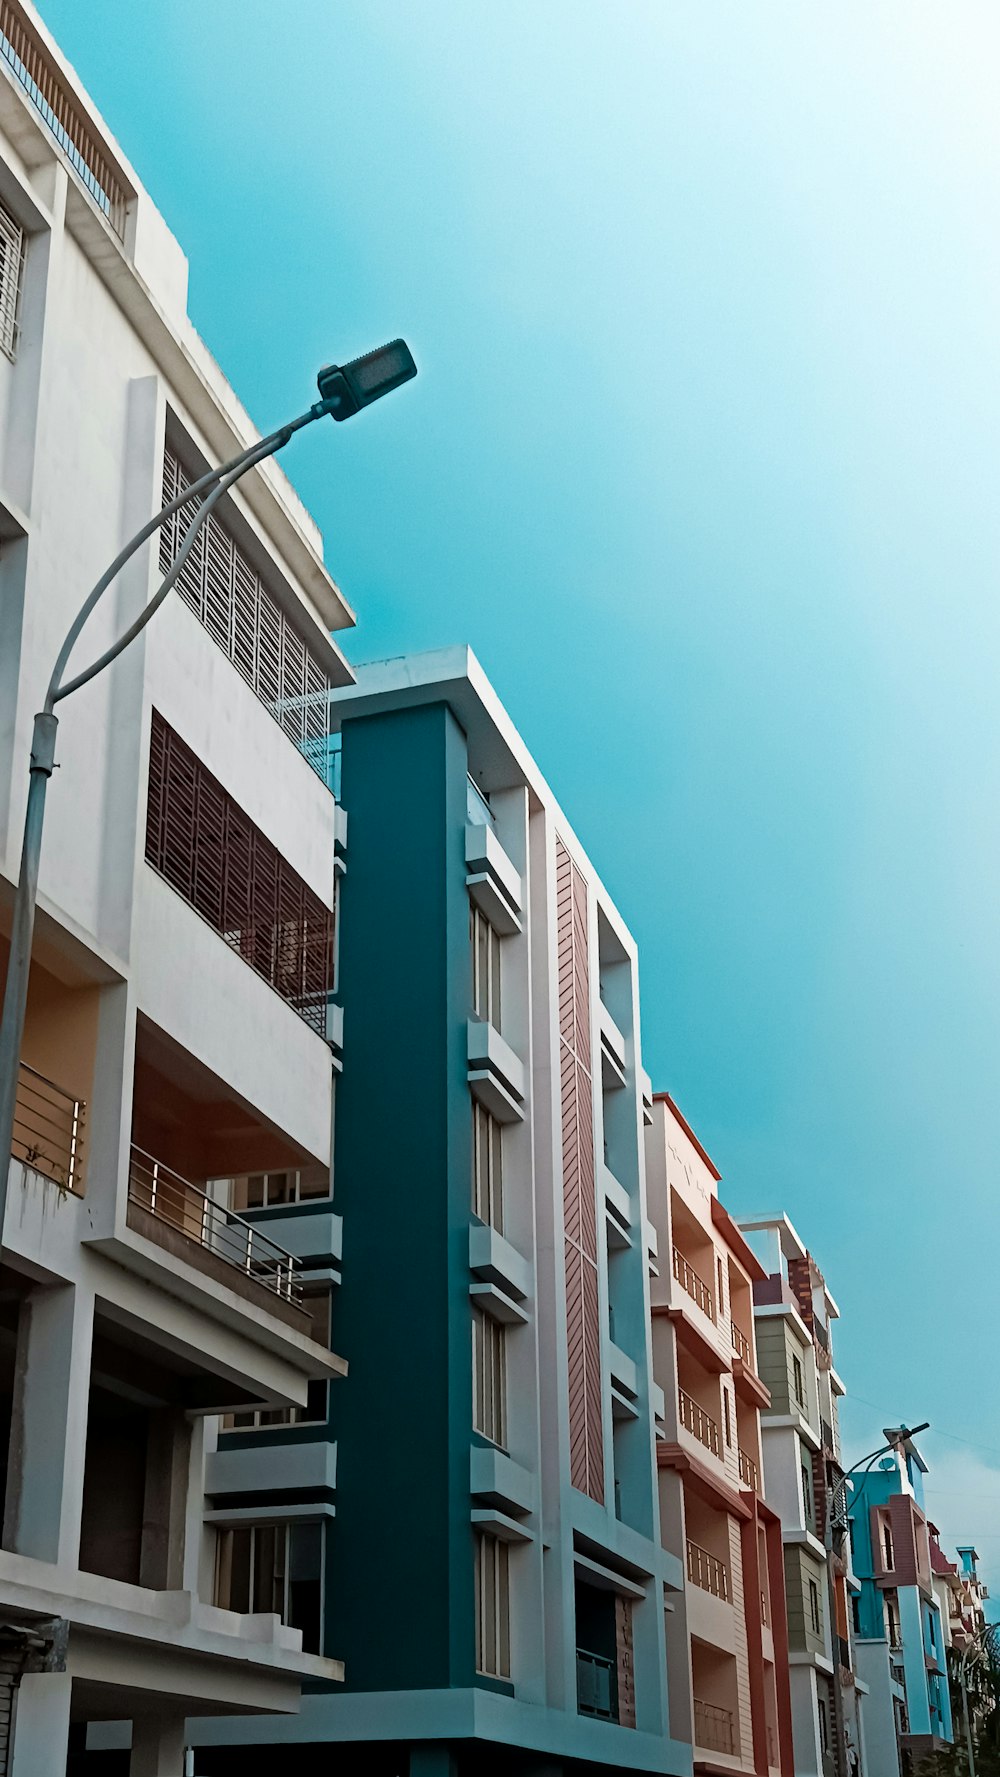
[[344, 390], [983, 1635]]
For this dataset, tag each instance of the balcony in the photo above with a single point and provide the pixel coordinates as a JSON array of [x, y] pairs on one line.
[[596, 1686], [748, 1471], [741, 1346], [714, 1728], [696, 1288], [164, 1194], [35, 71], [707, 1571], [700, 1424], [48, 1129]]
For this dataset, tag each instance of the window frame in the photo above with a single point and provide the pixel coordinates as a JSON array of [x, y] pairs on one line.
[[815, 1606], [489, 1377], [282, 1531], [487, 1167], [487, 970], [492, 1606], [13, 243], [291, 1202], [798, 1381]]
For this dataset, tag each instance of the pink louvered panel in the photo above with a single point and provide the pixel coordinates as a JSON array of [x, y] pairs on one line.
[[583, 1323]]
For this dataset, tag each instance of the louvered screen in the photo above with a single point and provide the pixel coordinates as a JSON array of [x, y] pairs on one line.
[[249, 625], [201, 841], [583, 1320]]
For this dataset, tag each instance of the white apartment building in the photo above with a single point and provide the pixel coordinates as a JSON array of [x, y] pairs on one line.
[[179, 1033]]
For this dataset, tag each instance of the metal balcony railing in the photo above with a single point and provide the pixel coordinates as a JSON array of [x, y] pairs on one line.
[[596, 1686], [48, 1129], [748, 1471], [707, 1571], [696, 1288], [741, 1346], [33, 67], [700, 1424], [714, 1727], [244, 1245]]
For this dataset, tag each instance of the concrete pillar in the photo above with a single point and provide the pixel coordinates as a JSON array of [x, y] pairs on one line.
[[168, 1463], [48, 1436], [157, 1746], [41, 1725]]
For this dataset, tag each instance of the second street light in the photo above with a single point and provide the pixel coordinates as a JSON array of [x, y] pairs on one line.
[[344, 390]]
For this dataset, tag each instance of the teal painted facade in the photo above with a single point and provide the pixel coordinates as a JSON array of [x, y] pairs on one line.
[[415, 1483]]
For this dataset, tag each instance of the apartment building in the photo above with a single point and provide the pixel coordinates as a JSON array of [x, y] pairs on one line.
[[727, 1634], [902, 1634], [960, 1593], [794, 1313], [496, 1547], [178, 1035]]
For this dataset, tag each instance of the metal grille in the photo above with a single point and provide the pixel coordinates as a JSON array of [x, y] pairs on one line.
[[201, 841], [48, 1129], [249, 626], [689, 1280], [583, 1319], [32, 65], [11, 261]]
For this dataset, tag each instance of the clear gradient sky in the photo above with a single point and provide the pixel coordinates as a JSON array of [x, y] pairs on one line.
[[703, 462]]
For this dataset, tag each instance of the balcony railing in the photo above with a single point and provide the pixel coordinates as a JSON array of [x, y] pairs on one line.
[[700, 1424], [741, 1346], [689, 1280], [48, 1129], [748, 1471], [244, 1245], [34, 69], [714, 1727], [707, 1571], [596, 1686]]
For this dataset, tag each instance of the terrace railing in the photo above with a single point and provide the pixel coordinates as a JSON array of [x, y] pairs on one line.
[[244, 1245], [707, 1571], [700, 1424], [695, 1286], [48, 1129], [714, 1727]]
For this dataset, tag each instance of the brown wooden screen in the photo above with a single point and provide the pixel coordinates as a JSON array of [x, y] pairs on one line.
[[248, 624], [583, 1320], [204, 845]]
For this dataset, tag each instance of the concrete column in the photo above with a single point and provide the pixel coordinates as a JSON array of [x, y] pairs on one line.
[[168, 1464], [48, 1437], [157, 1746], [41, 1725]]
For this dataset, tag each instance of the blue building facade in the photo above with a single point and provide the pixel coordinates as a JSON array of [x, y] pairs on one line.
[[900, 1636]]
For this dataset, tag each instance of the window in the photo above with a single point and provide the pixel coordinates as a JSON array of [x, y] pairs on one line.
[[317, 1408], [274, 1567], [856, 1612], [888, 1553], [489, 1362], [203, 844], [492, 1606], [11, 262], [487, 1167], [725, 1413], [718, 1273], [262, 1190], [485, 968], [249, 625], [824, 1723], [798, 1382], [808, 1506], [814, 1614]]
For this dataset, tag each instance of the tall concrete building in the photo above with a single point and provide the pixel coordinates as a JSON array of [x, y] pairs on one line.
[[495, 1557], [794, 1314], [727, 1635], [902, 1629], [178, 1033]]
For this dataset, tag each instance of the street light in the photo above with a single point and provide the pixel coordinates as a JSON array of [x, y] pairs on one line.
[[344, 390]]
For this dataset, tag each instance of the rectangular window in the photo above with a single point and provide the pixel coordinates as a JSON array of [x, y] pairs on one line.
[[489, 1381], [725, 1413], [719, 1278], [249, 625], [11, 262], [798, 1382], [274, 1568], [492, 1606], [487, 1167], [824, 1724], [203, 844], [814, 1613], [485, 968], [807, 1495], [888, 1553], [264, 1190]]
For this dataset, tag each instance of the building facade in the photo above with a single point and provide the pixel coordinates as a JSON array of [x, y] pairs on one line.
[[178, 1034], [496, 1555], [902, 1632], [794, 1314], [727, 1633]]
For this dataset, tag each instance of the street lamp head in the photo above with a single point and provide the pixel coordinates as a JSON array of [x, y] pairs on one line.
[[349, 387]]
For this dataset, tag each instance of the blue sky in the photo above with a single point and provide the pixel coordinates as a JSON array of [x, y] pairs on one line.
[[702, 461]]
